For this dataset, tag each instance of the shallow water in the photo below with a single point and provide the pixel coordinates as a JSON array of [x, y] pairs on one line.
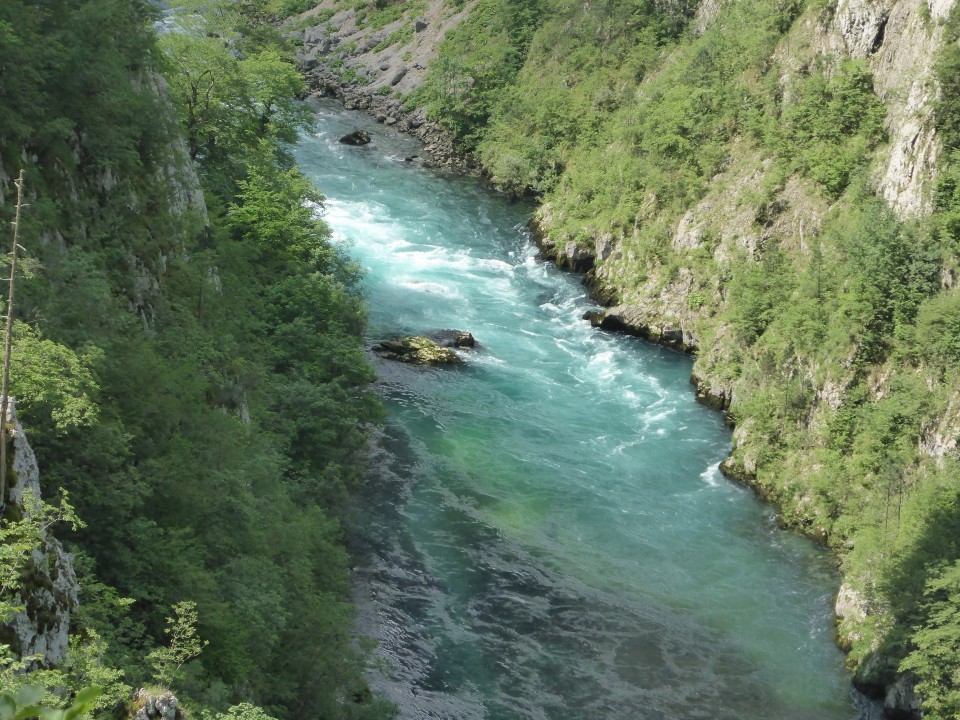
[[545, 533]]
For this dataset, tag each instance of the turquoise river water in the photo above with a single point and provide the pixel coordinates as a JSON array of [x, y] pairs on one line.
[[545, 533]]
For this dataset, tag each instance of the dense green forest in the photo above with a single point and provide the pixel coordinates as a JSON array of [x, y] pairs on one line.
[[187, 361], [839, 340]]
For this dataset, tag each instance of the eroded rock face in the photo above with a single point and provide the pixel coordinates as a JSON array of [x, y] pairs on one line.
[[901, 699], [851, 610], [50, 585], [569, 255]]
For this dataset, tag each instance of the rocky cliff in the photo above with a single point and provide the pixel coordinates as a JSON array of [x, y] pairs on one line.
[[48, 587]]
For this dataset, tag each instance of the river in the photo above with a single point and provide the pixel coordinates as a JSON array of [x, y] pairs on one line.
[[545, 532]]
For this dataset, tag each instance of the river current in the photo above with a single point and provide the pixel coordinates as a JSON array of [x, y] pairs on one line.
[[545, 532]]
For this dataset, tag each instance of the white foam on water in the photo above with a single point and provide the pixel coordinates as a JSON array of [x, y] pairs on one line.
[[654, 418], [712, 476], [430, 288], [603, 366]]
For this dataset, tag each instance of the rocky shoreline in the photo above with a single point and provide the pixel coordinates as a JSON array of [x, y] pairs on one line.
[[374, 70], [439, 148]]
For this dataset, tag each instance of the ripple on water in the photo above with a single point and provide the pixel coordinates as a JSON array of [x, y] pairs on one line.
[[538, 642]]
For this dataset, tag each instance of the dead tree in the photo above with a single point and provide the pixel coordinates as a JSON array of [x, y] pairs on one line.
[[8, 345]]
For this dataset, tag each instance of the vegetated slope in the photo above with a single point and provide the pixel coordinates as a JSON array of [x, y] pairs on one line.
[[187, 358], [775, 185]]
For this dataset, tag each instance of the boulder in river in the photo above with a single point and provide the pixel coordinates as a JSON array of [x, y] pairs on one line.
[[417, 350], [594, 316], [357, 137], [454, 338]]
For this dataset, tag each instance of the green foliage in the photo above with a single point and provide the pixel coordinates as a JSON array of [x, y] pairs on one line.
[[477, 60], [52, 381], [87, 667], [947, 70], [936, 657], [184, 644], [832, 124], [383, 14], [196, 379], [401, 35], [758, 294], [228, 104], [274, 212], [938, 330], [26, 704], [243, 711]]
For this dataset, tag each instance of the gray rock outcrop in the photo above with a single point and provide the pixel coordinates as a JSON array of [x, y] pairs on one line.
[[156, 706], [49, 584]]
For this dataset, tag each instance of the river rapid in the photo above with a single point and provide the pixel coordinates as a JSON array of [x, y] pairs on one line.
[[544, 532]]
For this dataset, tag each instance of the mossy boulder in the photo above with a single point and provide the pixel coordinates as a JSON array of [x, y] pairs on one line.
[[417, 350]]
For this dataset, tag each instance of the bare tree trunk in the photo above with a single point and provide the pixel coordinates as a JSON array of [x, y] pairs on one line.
[[7, 347]]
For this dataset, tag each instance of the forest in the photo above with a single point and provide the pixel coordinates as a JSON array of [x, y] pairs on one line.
[[187, 361]]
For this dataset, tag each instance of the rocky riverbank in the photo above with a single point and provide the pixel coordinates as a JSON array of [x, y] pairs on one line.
[[375, 67]]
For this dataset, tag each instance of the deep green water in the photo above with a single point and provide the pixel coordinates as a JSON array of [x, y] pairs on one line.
[[545, 533]]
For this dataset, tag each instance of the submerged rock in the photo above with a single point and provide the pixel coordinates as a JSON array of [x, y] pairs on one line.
[[417, 350], [357, 137]]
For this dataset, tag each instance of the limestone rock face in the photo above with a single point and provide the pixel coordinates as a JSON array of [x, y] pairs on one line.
[[903, 73], [939, 438], [851, 610], [50, 585], [901, 699]]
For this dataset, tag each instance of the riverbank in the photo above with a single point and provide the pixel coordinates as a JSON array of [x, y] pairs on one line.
[[375, 66]]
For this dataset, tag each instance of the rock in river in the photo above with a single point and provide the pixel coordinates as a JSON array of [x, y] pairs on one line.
[[454, 338], [357, 137], [417, 350]]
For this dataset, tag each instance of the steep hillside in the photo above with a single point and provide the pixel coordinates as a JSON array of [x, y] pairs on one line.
[[188, 364], [773, 186]]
